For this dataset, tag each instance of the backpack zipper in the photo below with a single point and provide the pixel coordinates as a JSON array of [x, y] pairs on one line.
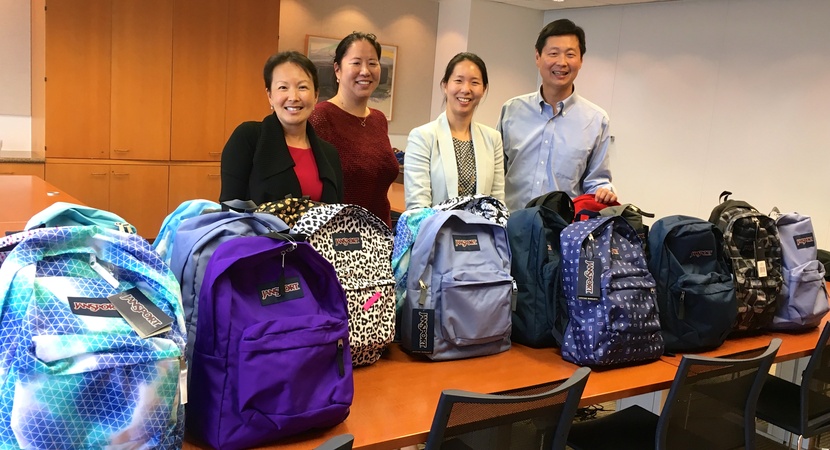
[[422, 299], [682, 302], [340, 365]]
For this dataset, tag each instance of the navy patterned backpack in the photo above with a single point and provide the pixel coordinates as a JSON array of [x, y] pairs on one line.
[[612, 312]]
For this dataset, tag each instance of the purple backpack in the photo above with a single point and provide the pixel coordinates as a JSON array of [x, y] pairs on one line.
[[271, 357]]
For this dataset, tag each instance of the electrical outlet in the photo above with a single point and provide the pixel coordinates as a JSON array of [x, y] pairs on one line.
[[1, 144]]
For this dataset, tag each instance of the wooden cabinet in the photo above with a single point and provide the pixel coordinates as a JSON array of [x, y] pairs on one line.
[[77, 81], [142, 49], [219, 49], [88, 183], [35, 169], [136, 192], [193, 182]]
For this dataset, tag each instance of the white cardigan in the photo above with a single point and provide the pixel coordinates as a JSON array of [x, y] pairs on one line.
[[430, 170]]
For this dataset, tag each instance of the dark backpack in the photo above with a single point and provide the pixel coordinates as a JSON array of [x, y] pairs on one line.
[[634, 216], [753, 251], [612, 314], [695, 292], [824, 259], [539, 309]]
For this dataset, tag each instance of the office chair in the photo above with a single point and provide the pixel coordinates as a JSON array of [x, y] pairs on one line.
[[710, 406], [800, 409], [533, 418], [340, 442]]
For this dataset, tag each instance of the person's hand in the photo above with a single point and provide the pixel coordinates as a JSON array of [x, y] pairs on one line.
[[605, 196]]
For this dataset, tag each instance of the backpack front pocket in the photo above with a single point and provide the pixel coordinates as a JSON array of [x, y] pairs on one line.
[[98, 390], [704, 307], [475, 307], [289, 367], [804, 293], [371, 318]]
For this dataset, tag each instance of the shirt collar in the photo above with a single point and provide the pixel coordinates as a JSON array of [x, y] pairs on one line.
[[563, 107]]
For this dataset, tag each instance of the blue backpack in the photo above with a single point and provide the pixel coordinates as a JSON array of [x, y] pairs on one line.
[[63, 214], [194, 244], [272, 354], [539, 309], [458, 289], [612, 315], [695, 292], [167, 234], [802, 302], [75, 374]]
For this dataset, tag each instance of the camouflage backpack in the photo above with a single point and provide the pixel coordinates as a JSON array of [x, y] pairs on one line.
[[753, 252]]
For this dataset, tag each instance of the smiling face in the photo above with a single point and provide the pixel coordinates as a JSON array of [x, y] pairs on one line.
[[292, 95], [559, 64], [359, 70], [464, 88]]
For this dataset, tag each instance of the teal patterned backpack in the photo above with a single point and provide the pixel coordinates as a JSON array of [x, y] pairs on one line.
[[74, 374]]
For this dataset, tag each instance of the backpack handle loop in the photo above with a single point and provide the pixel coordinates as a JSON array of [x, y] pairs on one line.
[[243, 206], [724, 196]]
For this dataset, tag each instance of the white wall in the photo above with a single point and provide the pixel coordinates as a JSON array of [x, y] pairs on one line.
[[504, 37], [713, 95], [15, 76]]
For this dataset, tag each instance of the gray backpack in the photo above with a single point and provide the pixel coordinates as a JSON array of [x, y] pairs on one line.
[[803, 299]]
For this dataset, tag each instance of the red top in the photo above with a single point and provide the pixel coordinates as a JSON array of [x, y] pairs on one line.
[[306, 169], [369, 163]]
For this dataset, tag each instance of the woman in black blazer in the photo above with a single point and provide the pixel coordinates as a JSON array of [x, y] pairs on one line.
[[280, 156]]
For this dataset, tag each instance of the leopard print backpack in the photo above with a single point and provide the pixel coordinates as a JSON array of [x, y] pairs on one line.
[[359, 246]]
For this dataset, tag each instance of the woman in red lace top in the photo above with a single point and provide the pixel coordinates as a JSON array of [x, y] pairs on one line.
[[359, 133]]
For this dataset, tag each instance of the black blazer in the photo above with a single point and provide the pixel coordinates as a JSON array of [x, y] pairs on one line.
[[257, 166]]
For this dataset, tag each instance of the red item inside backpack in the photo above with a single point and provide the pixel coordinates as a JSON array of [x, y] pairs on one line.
[[586, 204]]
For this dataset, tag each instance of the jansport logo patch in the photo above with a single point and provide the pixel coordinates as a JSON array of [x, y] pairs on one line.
[[346, 241], [700, 253], [95, 307], [589, 275], [270, 292], [804, 240], [465, 243]]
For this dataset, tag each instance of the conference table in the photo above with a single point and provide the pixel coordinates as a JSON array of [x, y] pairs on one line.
[[395, 398]]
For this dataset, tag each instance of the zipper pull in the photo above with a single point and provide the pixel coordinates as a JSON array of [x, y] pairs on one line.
[[514, 296], [341, 369], [102, 271], [182, 380], [682, 313], [422, 299]]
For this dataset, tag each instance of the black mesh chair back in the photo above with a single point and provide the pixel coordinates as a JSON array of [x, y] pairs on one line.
[[711, 403], [340, 442], [803, 410], [815, 388], [537, 417]]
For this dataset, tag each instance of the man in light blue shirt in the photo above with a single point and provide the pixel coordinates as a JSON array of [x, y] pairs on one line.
[[555, 140]]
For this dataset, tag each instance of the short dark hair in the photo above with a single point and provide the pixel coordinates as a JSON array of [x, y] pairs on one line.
[[561, 27], [466, 56], [347, 41], [290, 57]]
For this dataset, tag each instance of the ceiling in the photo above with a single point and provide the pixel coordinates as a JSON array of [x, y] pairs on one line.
[[552, 4]]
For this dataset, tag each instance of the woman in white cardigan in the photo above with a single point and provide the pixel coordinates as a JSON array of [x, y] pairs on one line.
[[453, 155]]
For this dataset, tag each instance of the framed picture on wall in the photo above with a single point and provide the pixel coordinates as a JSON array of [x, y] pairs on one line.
[[320, 50]]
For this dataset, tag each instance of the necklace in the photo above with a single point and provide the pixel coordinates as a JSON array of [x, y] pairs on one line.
[[362, 121]]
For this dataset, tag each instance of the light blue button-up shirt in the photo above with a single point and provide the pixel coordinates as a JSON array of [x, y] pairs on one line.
[[566, 150]]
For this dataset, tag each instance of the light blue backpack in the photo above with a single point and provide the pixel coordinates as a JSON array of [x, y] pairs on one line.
[[170, 225], [802, 302], [73, 373], [458, 289], [63, 214], [193, 245]]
